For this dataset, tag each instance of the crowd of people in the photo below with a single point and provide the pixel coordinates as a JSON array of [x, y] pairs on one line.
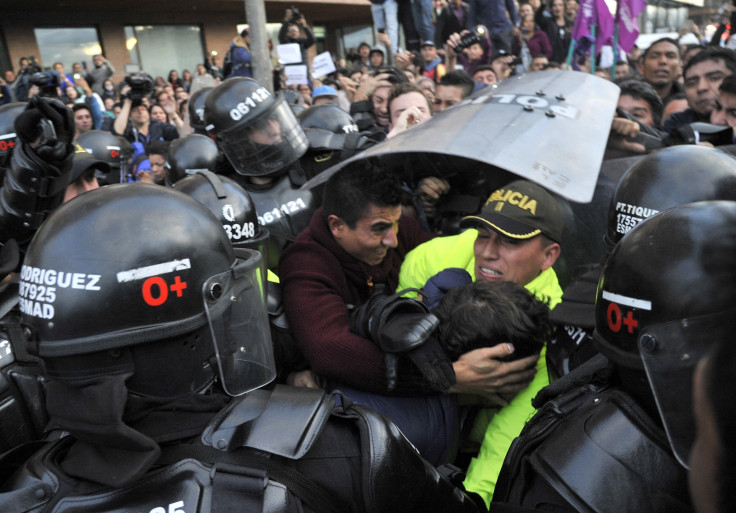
[[193, 325]]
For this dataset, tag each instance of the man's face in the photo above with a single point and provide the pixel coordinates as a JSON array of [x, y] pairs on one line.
[[140, 114], [157, 166], [637, 107], [538, 63], [267, 133], [662, 65], [374, 233], [364, 50], [77, 68], [9, 76], [672, 107], [376, 59], [498, 258], [707, 449], [201, 70], [485, 76], [86, 182], [728, 109], [447, 96], [571, 9], [701, 85], [59, 68], [98, 60], [380, 104], [292, 31], [429, 53], [82, 121], [412, 99]]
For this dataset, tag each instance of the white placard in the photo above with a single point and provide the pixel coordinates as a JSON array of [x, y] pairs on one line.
[[290, 53], [296, 75], [323, 65]]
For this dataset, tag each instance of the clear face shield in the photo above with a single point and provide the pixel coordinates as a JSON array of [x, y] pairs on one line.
[[670, 353], [266, 144], [235, 308]]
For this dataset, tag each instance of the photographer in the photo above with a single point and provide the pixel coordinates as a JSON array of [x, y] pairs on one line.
[[134, 121], [471, 48], [22, 84], [294, 29]]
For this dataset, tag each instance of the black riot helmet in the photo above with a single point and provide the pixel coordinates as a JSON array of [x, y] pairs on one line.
[[257, 131], [8, 113], [113, 149], [328, 117], [665, 296], [666, 178], [196, 110], [189, 154], [333, 137], [231, 204], [166, 296]]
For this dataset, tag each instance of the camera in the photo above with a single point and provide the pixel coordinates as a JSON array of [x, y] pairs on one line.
[[467, 40], [295, 14], [47, 82], [141, 85]]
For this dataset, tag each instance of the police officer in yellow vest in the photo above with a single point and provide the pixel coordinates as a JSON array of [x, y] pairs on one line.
[[514, 238]]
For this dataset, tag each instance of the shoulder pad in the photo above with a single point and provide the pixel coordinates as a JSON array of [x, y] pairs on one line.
[[285, 421], [605, 447]]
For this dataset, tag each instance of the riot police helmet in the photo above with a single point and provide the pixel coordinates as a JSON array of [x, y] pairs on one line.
[[257, 131], [665, 296], [327, 126], [8, 113], [166, 299], [113, 149], [196, 109], [666, 178], [189, 154], [232, 206]]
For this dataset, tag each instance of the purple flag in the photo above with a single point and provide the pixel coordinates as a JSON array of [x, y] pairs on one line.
[[628, 28], [594, 12]]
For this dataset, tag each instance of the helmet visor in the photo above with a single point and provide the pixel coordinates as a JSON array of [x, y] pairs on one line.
[[266, 144], [236, 313], [670, 352]]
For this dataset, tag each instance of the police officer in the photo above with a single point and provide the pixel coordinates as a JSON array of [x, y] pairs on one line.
[[145, 343], [262, 139], [621, 444], [664, 179]]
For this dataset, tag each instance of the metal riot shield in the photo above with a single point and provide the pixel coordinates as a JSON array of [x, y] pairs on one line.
[[549, 127]]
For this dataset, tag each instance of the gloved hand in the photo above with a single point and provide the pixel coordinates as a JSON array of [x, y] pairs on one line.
[[433, 363], [47, 126], [438, 285]]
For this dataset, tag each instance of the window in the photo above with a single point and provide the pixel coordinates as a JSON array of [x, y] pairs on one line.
[[67, 45], [160, 48]]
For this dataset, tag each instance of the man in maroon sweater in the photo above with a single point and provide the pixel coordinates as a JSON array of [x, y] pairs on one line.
[[354, 247]]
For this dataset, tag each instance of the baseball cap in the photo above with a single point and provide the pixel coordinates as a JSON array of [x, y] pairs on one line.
[[324, 90], [83, 161], [520, 210], [426, 43]]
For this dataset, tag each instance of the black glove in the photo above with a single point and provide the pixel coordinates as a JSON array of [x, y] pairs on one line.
[[47, 125], [433, 363]]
